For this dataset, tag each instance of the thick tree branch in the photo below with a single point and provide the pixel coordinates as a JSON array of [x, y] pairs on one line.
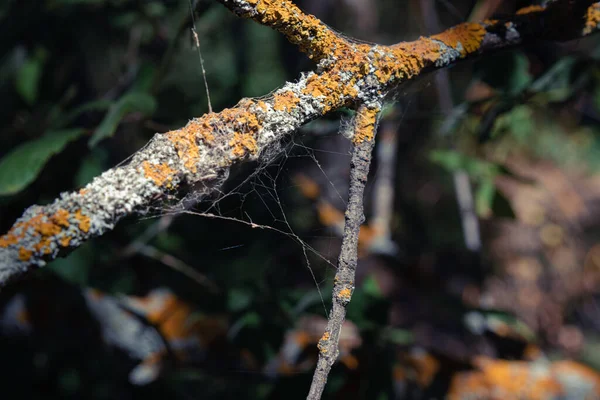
[[200, 154], [364, 128]]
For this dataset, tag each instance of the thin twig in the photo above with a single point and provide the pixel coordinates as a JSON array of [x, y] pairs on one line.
[[364, 138], [197, 42], [179, 266]]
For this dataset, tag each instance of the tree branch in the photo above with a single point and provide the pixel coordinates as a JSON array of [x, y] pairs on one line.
[[365, 122], [200, 154]]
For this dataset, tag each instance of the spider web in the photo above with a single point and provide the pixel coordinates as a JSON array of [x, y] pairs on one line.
[[267, 185]]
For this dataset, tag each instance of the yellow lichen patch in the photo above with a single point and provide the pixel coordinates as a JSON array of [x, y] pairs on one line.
[[345, 294], [506, 380], [84, 221], [285, 101], [530, 9], [410, 58], [159, 173], [322, 345], [329, 86], [469, 35], [64, 241], [592, 19], [185, 139], [44, 228], [242, 144], [186, 146], [8, 239], [43, 246], [308, 187], [24, 254], [364, 125], [61, 217], [314, 37]]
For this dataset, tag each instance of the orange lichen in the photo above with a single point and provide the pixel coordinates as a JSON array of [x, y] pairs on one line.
[[364, 126], [83, 220], [314, 37], [65, 241], [61, 217], [285, 101], [345, 294], [242, 144], [185, 139], [42, 227], [409, 59], [592, 19], [24, 254], [469, 35], [330, 87], [43, 246], [497, 379], [159, 173], [9, 239], [530, 9], [322, 345]]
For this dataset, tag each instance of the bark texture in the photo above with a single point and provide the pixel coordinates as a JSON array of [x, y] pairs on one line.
[[364, 128], [200, 154]]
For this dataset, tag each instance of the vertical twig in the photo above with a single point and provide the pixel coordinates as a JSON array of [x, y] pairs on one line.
[[364, 127]]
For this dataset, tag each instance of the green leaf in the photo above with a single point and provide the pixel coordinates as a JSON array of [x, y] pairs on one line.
[[448, 159], [130, 102], [28, 77], [22, 165], [238, 299], [453, 161], [520, 78], [484, 196], [371, 287], [97, 105], [556, 82], [399, 336]]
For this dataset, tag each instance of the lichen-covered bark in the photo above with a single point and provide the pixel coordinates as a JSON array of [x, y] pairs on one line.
[[364, 127], [201, 153]]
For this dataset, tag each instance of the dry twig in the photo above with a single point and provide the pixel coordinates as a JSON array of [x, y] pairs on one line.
[[365, 125]]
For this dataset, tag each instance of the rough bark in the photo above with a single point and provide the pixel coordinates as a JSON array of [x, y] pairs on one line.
[[364, 128]]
